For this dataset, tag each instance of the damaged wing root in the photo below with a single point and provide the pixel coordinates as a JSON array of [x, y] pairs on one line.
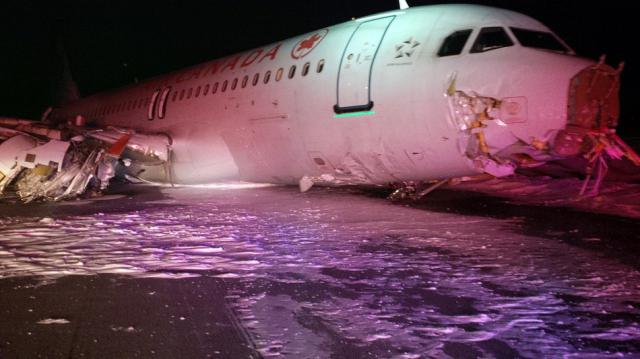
[[37, 167]]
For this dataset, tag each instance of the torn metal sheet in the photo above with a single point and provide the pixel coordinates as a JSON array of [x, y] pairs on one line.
[[473, 115], [154, 147], [38, 167], [485, 137], [10, 150], [49, 154]]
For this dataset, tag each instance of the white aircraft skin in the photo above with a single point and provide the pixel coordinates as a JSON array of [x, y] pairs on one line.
[[282, 131]]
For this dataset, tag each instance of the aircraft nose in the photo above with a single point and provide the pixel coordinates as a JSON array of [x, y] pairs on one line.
[[550, 107]]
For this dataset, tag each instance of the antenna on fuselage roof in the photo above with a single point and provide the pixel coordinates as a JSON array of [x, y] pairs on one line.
[[403, 4]]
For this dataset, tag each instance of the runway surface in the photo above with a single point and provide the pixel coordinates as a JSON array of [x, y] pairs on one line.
[[234, 272]]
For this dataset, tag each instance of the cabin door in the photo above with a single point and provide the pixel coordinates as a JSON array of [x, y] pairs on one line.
[[354, 75]]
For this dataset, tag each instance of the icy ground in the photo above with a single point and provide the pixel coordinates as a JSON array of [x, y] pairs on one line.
[[346, 273]]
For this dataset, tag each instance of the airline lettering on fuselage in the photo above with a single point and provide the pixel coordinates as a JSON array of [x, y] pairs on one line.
[[220, 66], [306, 45]]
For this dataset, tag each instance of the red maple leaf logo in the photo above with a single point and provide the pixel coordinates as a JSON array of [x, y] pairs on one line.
[[305, 46], [309, 43]]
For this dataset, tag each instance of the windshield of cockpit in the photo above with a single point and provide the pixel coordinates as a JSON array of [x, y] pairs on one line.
[[539, 40]]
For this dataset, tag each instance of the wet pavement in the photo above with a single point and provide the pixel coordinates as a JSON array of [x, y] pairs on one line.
[[338, 273]]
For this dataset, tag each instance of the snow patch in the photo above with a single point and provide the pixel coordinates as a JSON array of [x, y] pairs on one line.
[[53, 321]]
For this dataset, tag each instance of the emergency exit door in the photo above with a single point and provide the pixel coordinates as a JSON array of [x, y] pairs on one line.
[[356, 65]]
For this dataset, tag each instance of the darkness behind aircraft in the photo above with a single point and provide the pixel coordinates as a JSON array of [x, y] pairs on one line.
[[113, 43]]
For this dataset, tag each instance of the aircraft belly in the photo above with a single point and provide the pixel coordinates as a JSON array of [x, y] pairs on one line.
[[383, 148], [267, 149]]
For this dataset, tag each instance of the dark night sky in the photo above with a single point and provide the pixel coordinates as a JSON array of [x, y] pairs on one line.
[[160, 36]]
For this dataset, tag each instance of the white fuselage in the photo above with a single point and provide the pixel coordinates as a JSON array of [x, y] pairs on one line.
[[392, 122]]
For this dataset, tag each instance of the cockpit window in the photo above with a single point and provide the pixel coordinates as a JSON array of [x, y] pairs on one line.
[[491, 38], [538, 39], [454, 43]]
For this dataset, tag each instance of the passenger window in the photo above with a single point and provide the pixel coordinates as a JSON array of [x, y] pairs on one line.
[[491, 38], [198, 91], [206, 90], [189, 93], [279, 74], [305, 69], [454, 43], [215, 88], [256, 79], [292, 71], [245, 79], [234, 84], [224, 86], [181, 94], [267, 77], [320, 66]]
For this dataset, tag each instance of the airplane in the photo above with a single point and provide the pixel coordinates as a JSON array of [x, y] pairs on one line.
[[415, 95]]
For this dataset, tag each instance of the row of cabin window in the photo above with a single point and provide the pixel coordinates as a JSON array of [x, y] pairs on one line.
[[144, 102], [244, 82]]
